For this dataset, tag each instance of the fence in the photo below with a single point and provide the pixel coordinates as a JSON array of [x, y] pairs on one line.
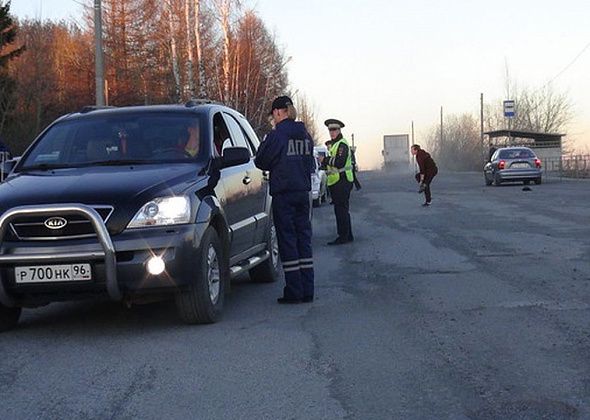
[[575, 166]]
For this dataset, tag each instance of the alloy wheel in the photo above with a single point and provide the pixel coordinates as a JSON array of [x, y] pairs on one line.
[[213, 277]]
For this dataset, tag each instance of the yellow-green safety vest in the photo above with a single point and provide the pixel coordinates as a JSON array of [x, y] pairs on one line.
[[333, 172]]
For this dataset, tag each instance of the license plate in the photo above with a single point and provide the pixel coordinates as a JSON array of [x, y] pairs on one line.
[[520, 165], [52, 273]]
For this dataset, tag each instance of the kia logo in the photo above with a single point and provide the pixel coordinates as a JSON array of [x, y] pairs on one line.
[[55, 223]]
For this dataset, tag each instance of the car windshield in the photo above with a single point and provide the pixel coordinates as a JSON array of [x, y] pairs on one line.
[[119, 139], [516, 154]]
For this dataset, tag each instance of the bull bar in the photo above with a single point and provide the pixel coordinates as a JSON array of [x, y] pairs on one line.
[[107, 254]]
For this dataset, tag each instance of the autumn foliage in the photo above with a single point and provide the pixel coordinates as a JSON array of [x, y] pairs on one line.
[[156, 51]]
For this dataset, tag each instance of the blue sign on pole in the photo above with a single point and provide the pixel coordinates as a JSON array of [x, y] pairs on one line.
[[509, 109]]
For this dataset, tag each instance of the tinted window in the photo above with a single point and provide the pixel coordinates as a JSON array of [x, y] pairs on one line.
[[109, 139], [237, 134], [516, 154], [250, 134]]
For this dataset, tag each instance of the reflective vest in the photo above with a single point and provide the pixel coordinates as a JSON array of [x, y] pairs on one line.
[[334, 173]]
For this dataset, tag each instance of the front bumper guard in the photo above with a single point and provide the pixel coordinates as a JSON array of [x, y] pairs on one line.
[[107, 254]]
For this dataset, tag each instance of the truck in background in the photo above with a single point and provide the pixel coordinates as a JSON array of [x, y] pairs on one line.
[[396, 151]]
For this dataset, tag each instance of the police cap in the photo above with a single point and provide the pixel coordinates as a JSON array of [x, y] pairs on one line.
[[281, 102], [334, 123]]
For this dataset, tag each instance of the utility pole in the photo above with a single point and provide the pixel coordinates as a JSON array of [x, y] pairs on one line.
[[441, 128], [413, 141], [481, 122], [99, 55]]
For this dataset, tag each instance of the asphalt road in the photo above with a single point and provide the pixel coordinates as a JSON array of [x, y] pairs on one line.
[[476, 307]]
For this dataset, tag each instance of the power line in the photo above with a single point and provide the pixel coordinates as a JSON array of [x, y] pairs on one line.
[[570, 64]]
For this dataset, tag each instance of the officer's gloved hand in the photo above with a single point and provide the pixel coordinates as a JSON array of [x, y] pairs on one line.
[[422, 188]]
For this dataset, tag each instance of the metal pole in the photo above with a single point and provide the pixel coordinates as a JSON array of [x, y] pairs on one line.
[[481, 124], [441, 128], [99, 57], [352, 137], [413, 142]]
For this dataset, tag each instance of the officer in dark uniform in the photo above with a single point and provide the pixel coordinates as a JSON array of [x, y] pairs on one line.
[[287, 152], [340, 170]]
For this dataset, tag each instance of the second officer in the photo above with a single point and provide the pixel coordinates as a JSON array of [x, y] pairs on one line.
[[339, 168]]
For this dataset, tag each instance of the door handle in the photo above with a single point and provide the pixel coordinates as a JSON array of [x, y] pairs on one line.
[[246, 180]]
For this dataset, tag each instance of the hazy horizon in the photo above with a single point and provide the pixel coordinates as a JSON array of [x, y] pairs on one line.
[[379, 65]]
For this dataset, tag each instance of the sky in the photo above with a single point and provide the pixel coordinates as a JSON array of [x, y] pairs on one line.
[[378, 65]]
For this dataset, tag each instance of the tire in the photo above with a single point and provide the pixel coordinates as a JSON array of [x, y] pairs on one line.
[[8, 317], [538, 181], [202, 302], [497, 180], [317, 202], [488, 181], [268, 271]]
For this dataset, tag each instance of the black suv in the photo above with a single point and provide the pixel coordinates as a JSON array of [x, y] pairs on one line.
[[111, 201]]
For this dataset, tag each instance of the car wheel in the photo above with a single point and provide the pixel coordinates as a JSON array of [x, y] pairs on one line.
[[538, 181], [268, 270], [317, 202], [488, 181], [497, 180], [8, 317], [202, 302]]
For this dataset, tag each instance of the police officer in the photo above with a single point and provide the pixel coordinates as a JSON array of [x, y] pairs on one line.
[[339, 168], [287, 152]]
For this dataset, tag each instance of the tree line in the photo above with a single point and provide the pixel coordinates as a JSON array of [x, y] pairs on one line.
[[156, 51]]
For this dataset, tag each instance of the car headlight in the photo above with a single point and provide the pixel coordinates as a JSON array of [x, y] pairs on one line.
[[163, 211]]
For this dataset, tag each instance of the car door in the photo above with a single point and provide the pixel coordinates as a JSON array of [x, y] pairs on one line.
[[260, 188], [234, 180], [489, 167]]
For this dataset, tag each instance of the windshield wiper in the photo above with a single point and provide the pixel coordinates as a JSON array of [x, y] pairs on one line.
[[46, 166], [121, 162]]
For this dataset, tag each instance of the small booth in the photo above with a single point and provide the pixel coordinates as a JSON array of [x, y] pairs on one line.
[[547, 146]]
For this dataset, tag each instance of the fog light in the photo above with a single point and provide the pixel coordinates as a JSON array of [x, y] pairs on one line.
[[156, 266]]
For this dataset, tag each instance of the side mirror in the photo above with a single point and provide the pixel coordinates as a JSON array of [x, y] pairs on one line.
[[233, 156], [7, 166]]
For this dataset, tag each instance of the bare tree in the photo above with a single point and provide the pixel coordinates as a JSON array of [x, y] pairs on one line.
[[307, 114], [461, 149], [189, 50], [199, 46], [224, 10]]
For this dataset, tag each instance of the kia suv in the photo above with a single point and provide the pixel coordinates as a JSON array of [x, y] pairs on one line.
[[136, 204]]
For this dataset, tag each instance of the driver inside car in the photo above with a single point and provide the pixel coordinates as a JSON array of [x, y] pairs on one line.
[[190, 143]]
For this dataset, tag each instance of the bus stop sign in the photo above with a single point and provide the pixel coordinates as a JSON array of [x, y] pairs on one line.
[[509, 111]]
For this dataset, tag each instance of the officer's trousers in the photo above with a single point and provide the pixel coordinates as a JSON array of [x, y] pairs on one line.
[[340, 193], [291, 213]]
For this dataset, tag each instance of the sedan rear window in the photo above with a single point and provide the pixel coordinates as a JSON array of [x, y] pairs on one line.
[[516, 154]]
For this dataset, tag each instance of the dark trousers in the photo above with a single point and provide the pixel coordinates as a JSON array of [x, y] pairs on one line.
[[293, 226], [427, 180], [340, 193]]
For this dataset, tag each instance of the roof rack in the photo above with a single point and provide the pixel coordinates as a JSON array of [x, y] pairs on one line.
[[89, 108], [200, 101]]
